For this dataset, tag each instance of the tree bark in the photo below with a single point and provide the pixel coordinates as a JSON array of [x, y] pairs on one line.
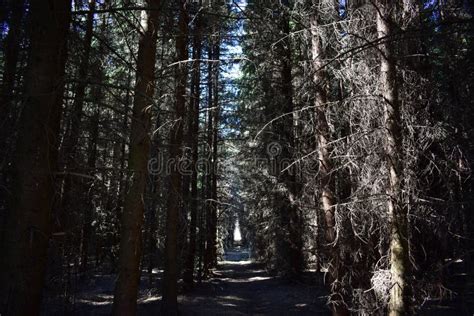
[[12, 50], [71, 203], [123, 175], [126, 289], [215, 136], [202, 221], [170, 288], [208, 178], [154, 184], [91, 165], [210, 215], [27, 232], [323, 137], [399, 264], [289, 241], [74, 123], [151, 213], [193, 136]]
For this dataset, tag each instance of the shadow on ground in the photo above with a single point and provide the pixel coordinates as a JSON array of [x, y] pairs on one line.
[[238, 287], [244, 288]]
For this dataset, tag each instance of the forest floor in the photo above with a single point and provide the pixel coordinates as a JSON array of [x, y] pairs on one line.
[[239, 286]]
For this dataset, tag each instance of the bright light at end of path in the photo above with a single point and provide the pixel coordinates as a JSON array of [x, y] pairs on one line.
[[237, 235]]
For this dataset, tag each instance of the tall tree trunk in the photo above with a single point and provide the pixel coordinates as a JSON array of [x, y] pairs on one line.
[[71, 203], [126, 289], [323, 137], [74, 123], [154, 184], [208, 176], [215, 158], [202, 221], [27, 232], [289, 242], [170, 288], [188, 276], [12, 50], [91, 165], [154, 189], [123, 175], [399, 264]]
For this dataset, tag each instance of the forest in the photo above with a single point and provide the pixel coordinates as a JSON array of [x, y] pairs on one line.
[[236, 157]]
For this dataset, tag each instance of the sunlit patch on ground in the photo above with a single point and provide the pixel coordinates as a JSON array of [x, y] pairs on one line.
[[301, 305], [150, 299], [236, 288], [240, 263], [97, 300], [258, 279]]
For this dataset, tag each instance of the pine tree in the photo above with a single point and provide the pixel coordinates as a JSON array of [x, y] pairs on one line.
[[27, 229], [126, 289], [170, 286]]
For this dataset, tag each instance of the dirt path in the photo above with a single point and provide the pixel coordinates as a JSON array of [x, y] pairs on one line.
[[243, 288], [239, 287]]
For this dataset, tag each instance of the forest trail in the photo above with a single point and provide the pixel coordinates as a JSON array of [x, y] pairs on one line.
[[239, 286], [242, 287]]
